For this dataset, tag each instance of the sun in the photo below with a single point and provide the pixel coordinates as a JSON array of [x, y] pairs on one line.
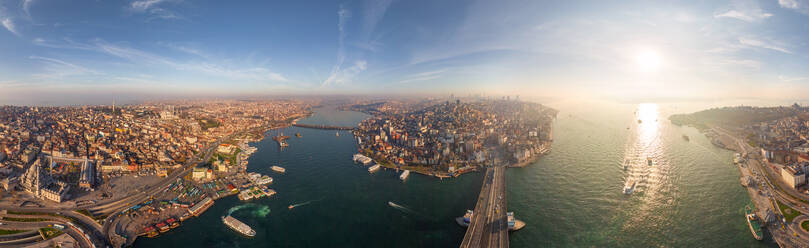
[[648, 60]]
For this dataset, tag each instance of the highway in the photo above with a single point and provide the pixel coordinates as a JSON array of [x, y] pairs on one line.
[[489, 227]]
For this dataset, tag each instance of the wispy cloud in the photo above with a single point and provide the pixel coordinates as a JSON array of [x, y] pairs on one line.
[[139, 57], [26, 6], [9, 24], [423, 76], [792, 79], [772, 45], [748, 11], [58, 68], [801, 6], [152, 8]]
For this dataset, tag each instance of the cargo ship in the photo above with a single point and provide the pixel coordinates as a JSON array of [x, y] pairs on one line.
[[404, 175], [466, 218], [374, 168], [753, 223], [278, 169], [238, 226]]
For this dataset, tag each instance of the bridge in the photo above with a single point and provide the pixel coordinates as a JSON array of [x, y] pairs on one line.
[[327, 127], [489, 225]]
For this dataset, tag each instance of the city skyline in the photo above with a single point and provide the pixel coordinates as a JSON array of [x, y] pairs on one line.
[[67, 53]]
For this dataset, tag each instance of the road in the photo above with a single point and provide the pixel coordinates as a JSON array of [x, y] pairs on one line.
[[489, 227], [73, 232], [785, 234]]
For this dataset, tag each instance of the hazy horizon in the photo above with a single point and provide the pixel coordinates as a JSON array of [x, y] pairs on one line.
[[88, 52]]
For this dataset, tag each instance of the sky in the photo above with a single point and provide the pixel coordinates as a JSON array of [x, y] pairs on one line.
[[72, 51]]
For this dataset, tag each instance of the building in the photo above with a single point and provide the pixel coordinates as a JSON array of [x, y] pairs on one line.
[[43, 186], [793, 176], [199, 173]]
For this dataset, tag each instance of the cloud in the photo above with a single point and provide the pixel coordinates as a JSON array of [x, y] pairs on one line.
[[26, 6], [59, 68], [748, 17], [151, 8], [140, 57], [748, 11], [792, 79], [341, 76], [801, 6], [424, 76], [789, 4], [9, 24], [764, 44]]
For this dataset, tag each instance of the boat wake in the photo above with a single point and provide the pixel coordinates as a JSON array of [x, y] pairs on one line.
[[257, 210], [402, 208], [303, 203]]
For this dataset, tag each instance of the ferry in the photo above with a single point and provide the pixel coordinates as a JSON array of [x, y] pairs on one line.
[[513, 223], [465, 219], [362, 159], [238, 226], [150, 232], [404, 175], [291, 207], [374, 168], [753, 223], [278, 169], [337, 134], [629, 187], [649, 161]]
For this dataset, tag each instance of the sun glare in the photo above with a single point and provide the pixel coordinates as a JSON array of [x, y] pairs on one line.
[[648, 60]]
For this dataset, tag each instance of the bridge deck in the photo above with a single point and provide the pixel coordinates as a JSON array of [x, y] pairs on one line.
[[489, 227]]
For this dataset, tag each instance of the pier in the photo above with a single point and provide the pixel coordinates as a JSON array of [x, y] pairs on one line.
[[489, 225], [327, 127]]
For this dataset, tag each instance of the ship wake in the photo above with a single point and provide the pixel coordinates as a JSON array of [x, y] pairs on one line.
[[256, 209]]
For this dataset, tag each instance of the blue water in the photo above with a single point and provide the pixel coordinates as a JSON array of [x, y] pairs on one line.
[[571, 198]]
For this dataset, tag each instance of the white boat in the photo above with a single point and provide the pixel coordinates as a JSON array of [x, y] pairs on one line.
[[374, 168], [629, 186], [238, 226], [404, 175], [278, 169]]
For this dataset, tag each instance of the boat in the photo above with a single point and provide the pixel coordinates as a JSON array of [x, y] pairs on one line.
[[374, 168], [337, 134], [737, 158], [465, 219], [685, 137], [150, 232], [238, 226], [162, 227], [404, 175], [649, 161], [291, 207], [298, 135], [278, 169], [513, 223], [754, 223], [626, 164], [263, 180], [282, 143], [173, 223], [629, 187], [362, 159]]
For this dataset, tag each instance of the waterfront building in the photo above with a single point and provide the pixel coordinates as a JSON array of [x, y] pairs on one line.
[[793, 176]]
